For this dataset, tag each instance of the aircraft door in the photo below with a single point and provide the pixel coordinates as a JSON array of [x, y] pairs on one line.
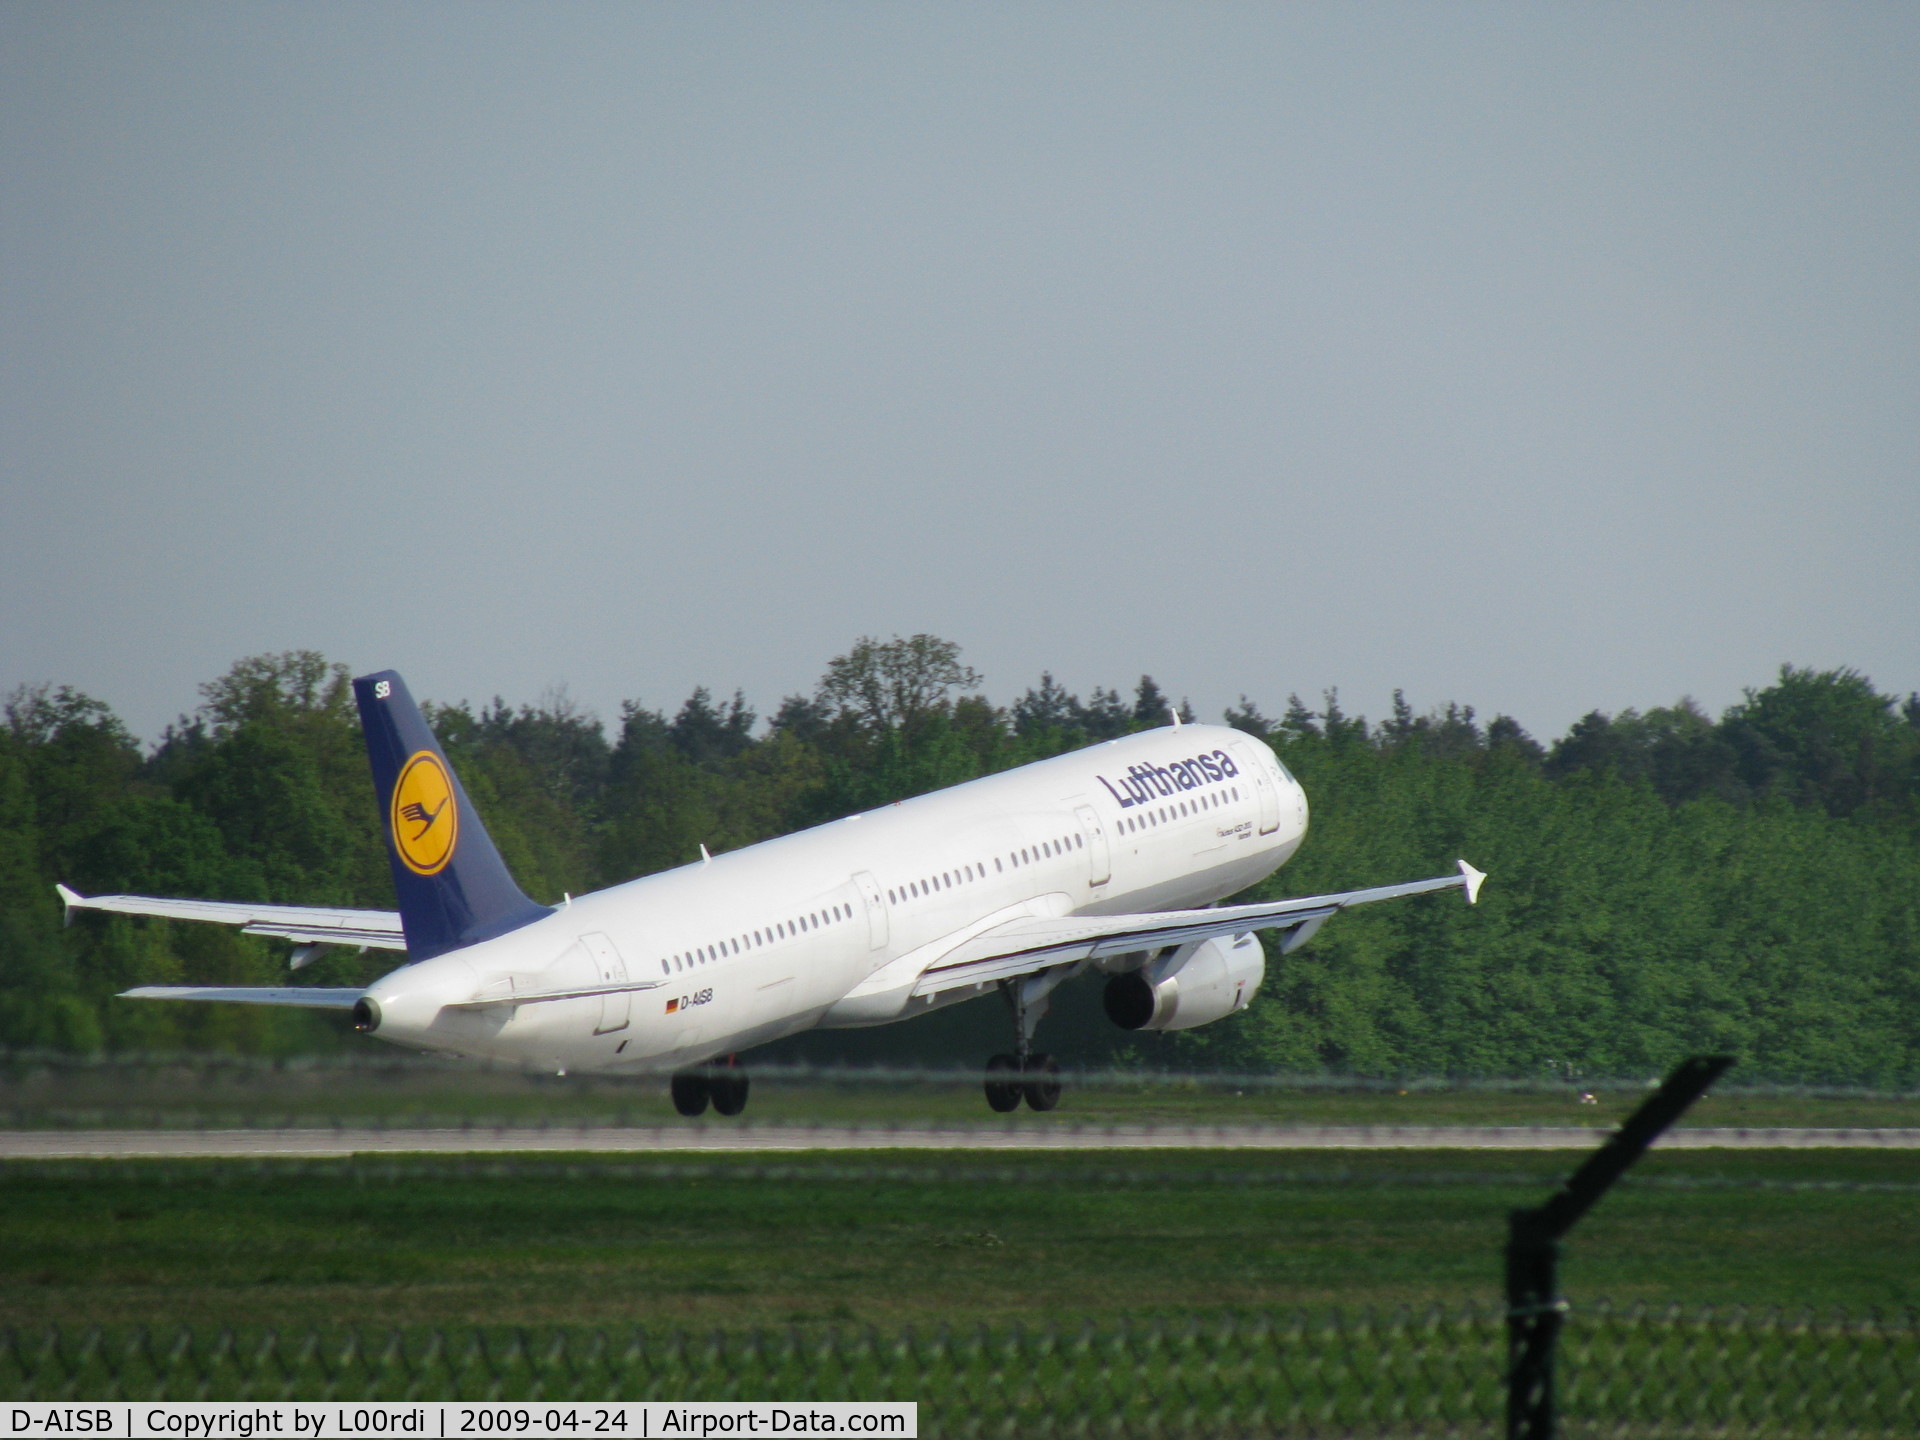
[[869, 889], [609, 969], [1099, 865], [1269, 797]]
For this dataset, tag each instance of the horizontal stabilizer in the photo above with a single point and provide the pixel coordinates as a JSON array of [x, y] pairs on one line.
[[302, 924], [311, 997], [537, 997]]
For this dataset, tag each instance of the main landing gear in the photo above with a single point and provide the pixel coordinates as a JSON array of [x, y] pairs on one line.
[[724, 1086], [1025, 1074], [1035, 1080]]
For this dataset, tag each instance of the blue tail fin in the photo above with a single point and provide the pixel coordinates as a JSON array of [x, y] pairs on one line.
[[454, 888]]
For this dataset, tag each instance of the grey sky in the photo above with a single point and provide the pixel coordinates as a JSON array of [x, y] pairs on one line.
[[1541, 358]]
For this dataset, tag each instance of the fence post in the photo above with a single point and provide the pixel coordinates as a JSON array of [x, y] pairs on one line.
[[1534, 1306]]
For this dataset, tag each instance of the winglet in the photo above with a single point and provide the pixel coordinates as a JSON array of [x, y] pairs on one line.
[[68, 899], [1475, 879]]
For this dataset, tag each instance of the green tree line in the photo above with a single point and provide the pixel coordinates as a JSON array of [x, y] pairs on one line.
[[1661, 882]]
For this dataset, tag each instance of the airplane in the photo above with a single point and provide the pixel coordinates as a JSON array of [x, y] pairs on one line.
[[1110, 860]]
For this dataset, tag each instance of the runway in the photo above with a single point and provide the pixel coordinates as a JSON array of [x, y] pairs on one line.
[[751, 1138]]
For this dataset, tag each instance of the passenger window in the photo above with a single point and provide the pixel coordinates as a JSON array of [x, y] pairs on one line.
[[996, 866]]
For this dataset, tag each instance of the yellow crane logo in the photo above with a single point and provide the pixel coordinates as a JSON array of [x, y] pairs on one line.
[[425, 821]]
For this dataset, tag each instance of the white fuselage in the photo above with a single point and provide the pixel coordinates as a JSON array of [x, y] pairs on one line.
[[832, 926]]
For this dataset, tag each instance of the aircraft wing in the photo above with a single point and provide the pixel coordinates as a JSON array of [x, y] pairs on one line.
[[1020, 947], [305, 925]]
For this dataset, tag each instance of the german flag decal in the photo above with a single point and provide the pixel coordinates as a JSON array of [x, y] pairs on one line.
[[672, 1005]]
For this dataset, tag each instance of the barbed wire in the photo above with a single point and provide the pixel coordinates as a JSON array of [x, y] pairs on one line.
[[1668, 1371]]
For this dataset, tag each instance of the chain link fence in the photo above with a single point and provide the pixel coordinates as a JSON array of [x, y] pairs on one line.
[[1625, 1371]]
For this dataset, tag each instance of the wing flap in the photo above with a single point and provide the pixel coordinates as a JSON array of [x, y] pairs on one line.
[[303, 924], [1022, 946]]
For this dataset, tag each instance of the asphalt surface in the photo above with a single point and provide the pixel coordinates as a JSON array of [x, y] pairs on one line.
[[317, 1142]]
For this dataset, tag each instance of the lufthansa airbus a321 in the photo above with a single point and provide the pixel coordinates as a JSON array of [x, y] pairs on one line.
[[1110, 859]]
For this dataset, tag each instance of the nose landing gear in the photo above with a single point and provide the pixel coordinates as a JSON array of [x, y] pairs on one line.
[[724, 1086]]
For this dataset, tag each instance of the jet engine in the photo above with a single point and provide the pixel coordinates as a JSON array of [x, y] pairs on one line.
[[1194, 985]]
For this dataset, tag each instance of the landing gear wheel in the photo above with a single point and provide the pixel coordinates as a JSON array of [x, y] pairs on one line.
[[1003, 1095], [1042, 1090], [690, 1094], [729, 1091]]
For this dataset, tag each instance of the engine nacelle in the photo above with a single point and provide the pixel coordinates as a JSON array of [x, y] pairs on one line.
[[1194, 985]]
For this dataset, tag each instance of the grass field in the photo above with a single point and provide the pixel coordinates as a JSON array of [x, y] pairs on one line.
[[921, 1237], [403, 1092]]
